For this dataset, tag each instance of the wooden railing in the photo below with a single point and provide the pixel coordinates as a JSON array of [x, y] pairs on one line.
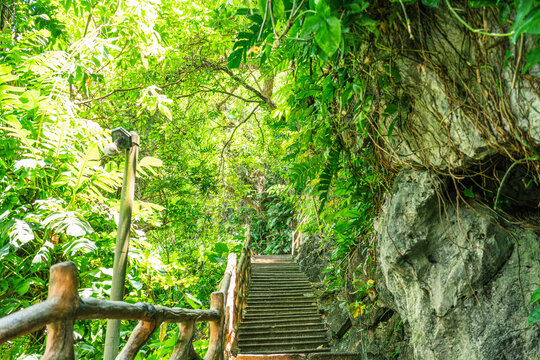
[[64, 305], [236, 303]]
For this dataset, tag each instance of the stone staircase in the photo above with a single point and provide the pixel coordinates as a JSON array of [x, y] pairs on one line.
[[281, 314]]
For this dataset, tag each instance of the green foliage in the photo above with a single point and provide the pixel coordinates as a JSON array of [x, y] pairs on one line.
[[271, 231], [60, 193], [534, 316], [283, 134]]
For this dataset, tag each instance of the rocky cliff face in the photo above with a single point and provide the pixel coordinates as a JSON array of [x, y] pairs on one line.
[[458, 272], [459, 277], [454, 281], [455, 277]]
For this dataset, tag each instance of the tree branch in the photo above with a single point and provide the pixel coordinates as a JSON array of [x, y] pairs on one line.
[[232, 135], [242, 82], [125, 90]]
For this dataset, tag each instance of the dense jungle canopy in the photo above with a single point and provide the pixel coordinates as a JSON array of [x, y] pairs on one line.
[[278, 114]]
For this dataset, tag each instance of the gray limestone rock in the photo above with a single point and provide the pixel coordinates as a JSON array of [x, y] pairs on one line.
[[460, 279]]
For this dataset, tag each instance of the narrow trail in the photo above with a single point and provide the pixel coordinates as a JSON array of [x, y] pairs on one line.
[[281, 315]]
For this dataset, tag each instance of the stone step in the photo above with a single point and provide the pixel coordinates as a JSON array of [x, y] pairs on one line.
[[274, 293], [285, 333], [250, 326], [299, 352], [278, 280], [274, 267], [283, 290], [302, 293], [280, 299], [283, 347], [297, 323], [272, 278], [271, 357], [269, 318], [335, 356], [270, 287], [310, 311], [292, 318], [283, 294], [269, 270], [276, 272], [276, 264], [280, 283], [284, 301], [289, 339], [271, 257], [282, 305], [277, 286]]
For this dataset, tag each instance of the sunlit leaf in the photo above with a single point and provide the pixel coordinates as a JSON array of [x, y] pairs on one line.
[[20, 233], [235, 58], [535, 296], [193, 301], [328, 35], [534, 316]]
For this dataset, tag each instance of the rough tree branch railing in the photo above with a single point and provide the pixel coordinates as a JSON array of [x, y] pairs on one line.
[[64, 305], [236, 302]]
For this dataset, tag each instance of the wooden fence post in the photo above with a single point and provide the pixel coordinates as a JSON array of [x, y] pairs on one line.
[[138, 338], [182, 348], [63, 292], [215, 345]]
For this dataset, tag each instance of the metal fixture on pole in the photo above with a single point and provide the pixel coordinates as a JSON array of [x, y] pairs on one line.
[[122, 140]]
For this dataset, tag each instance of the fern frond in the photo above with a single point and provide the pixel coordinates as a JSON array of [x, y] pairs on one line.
[[14, 129]]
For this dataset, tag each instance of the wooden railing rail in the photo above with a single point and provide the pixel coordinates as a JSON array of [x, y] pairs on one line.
[[236, 303], [64, 305]]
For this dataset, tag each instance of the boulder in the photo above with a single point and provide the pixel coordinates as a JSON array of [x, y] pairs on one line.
[[456, 274]]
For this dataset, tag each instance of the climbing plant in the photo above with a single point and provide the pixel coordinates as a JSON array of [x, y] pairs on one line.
[[278, 113], [338, 108]]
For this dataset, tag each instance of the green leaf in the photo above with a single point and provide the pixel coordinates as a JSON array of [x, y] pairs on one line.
[[262, 6], [235, 58], [75, 229], [245, 35], [193, 301], [535, 296], [469, 192], [532, 58], [482, 3], [242, 11], [137, 284], [20, 233], [256, 18], [527, 19], [23, 287], [431, 3], [322, 8], [7, 78], [221, 248], [150, 161], [328, 36], [278, 9], [311, 24], [365, 20], [534, 316]]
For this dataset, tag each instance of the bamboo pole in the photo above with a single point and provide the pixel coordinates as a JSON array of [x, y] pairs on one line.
[[112, 338]]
